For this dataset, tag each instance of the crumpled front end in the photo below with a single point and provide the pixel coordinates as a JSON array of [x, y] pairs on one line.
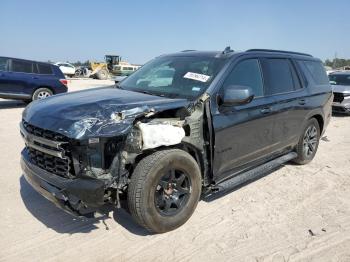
[[48, 165], [341, 101], [79, 197], [88, 163]]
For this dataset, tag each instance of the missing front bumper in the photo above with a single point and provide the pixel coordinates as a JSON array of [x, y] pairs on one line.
[[79, 197]]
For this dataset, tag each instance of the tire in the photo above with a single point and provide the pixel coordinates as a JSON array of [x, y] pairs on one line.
[[102, 74], [153, 203], [41, 93], [308, 142], [78, 73]]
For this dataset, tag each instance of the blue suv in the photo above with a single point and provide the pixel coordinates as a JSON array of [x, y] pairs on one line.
[[29, 80]]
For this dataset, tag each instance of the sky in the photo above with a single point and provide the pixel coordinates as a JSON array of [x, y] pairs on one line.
[[68, 30]]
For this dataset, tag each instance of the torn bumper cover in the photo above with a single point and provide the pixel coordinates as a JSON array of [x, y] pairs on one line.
[[79, 197]]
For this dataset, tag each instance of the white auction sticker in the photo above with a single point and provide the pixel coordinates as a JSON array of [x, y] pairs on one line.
[[196, 76]]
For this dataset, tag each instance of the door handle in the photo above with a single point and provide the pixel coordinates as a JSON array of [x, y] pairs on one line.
[[265, 110], [302, 102], [34, 77]]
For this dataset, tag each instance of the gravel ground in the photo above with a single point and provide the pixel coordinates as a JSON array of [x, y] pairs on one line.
[[298, 213]]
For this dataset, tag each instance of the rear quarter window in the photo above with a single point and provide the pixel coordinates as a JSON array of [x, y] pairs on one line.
[[45, 69], [317, 72], [3, 64]]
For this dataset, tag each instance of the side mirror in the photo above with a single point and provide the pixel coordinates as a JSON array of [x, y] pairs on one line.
[[235, 95]]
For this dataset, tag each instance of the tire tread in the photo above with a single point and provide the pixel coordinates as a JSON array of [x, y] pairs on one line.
[[136, 185]]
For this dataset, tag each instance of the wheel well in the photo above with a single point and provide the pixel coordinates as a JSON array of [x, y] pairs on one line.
[[320, 121], [50, 88], [191, 151]]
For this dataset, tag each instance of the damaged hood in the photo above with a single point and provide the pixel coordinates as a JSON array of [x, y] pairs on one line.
[[100, 112]]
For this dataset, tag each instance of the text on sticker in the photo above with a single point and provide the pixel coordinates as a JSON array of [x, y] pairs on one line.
[[196, 76]]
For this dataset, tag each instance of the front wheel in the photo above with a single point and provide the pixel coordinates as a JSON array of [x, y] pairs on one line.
[[308, 142], [164, 190]]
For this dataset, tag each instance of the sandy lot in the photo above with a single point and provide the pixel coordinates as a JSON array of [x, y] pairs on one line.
[[298, 213]]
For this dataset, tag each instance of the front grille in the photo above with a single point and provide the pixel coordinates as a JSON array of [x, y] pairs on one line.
[[52, 164], [54, 157], [338, 97]]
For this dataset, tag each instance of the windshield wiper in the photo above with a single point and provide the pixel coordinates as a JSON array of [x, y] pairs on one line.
[[148, 93]]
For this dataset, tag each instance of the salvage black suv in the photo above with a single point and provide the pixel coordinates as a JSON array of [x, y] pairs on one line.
[[185, 126]]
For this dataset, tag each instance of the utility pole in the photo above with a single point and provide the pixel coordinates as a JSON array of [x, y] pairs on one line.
[[335, 60]]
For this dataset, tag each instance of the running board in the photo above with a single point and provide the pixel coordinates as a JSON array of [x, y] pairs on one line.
[[229, 185]]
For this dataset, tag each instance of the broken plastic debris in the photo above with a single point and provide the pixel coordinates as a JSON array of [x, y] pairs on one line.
[[311, 233]]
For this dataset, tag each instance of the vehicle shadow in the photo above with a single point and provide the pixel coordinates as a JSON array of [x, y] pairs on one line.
[[122, 217], [8, 104], [212, 196], [56, 219], [50, 215]]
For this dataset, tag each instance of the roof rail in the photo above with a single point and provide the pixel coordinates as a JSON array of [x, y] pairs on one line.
[[277, 51], [188, 50]]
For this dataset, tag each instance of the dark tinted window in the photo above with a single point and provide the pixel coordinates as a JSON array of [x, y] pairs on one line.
[[35, 68], [3, 64], [21, 66], [247, 73], [317, 72], [278, 76], [296, 79], [338, 79], [44, 69]]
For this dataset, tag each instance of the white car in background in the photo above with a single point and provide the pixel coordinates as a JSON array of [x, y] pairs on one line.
[[66, 68]]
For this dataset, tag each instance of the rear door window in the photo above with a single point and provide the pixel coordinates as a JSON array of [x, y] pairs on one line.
[[279, 76], [247, 73], [45, 69], [21, 66], [317, 72], [3, 64]]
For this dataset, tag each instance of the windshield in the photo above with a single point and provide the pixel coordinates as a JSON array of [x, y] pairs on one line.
[[169, 76], [340, 79]]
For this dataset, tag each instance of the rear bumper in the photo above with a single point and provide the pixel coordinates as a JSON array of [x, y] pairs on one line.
[[61, 89], [79, 197]]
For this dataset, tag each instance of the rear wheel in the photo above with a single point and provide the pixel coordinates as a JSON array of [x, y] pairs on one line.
[[102, 74], [308, 142], [41, 93], [164, 190]]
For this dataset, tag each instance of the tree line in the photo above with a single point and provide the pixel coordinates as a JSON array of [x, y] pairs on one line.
[[337, 62]]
